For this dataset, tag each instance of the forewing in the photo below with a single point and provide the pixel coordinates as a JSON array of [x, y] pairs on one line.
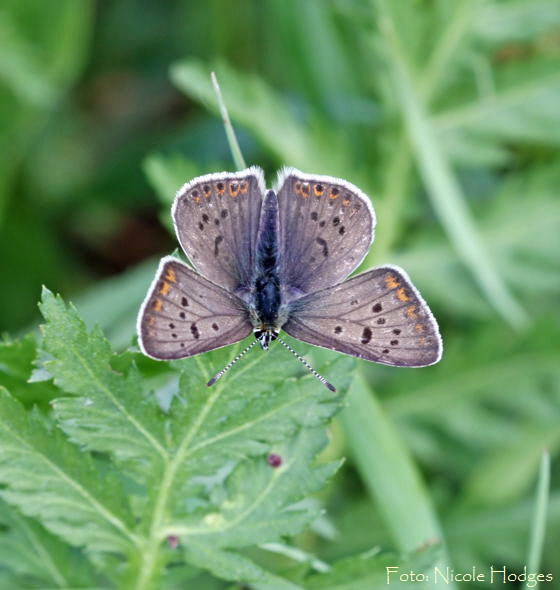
[[326, 229], [216, 219], [377, 315], [185, 314]]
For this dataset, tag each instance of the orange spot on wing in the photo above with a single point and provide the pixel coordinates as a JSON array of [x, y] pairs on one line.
[[305, 190], [157, 305], [243, 187], [221, 188], [419, 328], [170, 275], [346, 202], [403, 295], [411, 312], [233, 189], [164, 289], [334, 193], [422, 341], [318, 189], [391, 282], [151, 321]]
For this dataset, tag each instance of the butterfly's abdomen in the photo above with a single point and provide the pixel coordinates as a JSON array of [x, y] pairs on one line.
[[266, 291]]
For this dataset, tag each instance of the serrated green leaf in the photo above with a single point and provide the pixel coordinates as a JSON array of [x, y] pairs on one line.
[[216, 429], [111, 412], [257, 503], [16, 367], [251, 408], [49, 479], [235, 567]]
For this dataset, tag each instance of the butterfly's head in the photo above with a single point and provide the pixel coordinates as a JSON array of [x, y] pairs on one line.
[[265, 335]]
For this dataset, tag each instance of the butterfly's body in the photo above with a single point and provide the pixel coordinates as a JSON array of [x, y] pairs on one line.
[[267, 308], [277, 260]]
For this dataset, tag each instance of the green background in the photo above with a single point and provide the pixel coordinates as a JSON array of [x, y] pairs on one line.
[[445, 112]]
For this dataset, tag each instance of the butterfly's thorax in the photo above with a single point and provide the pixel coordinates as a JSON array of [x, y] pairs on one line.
[[266, 308]]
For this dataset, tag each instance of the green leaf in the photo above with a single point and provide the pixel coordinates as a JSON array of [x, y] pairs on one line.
[[215, 431], [374, 570], [250, 409], [507, 221], [16, 368], [235, 567], [30, 551], [257, 503], [498, 22], [111, 412], [48, 478]]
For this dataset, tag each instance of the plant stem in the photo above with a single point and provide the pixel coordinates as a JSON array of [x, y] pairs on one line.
[[238, 159], [538, 529]]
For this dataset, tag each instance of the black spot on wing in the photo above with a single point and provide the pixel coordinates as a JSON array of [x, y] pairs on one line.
[[366, 335], [217, 242], [323, 244]]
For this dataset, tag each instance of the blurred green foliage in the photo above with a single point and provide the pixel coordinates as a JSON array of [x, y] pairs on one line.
[[444, 111]]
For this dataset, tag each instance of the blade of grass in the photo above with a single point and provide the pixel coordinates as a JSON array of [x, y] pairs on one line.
[[390, 475], [398, 176], [238, 159], [444, 190], [538, 528]]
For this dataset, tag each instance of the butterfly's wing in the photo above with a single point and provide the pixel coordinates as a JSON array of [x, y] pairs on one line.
[[216, 220], [377, 315], [185, 314], [326, 229]]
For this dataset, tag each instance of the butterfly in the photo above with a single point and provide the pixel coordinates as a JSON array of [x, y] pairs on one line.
[[271, 260]]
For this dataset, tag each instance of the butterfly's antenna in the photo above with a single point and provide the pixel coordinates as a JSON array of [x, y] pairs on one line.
[[230, 364], [307, 365]]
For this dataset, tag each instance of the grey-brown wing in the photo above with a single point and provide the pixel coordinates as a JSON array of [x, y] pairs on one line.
[[377, 315], [216, 220], [326, 229], [185, 314]]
